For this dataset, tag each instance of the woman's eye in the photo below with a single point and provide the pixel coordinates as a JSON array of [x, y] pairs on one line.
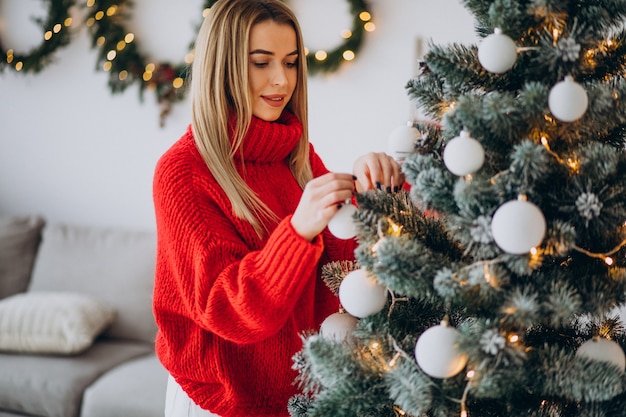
[[260, 64], [291, 64]]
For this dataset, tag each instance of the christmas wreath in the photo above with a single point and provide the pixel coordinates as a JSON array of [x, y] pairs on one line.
[[120, 56], [119, 52], [55, 35]]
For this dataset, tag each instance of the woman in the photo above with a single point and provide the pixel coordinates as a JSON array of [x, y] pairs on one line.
[[242, 202]]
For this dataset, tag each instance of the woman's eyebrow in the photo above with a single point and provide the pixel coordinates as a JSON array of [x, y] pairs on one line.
[[265, 52]]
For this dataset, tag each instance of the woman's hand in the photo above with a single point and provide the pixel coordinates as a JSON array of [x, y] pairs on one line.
[[320, 201], [377, 170]]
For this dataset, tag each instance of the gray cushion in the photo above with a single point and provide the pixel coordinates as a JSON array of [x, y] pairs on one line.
[[53, 386], [134, 389], [19, 238], [115, 266]]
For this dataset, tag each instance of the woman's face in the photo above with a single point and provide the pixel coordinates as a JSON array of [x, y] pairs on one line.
[[273, 68]]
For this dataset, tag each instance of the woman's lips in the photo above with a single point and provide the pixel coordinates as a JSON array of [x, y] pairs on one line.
[[274, 101]]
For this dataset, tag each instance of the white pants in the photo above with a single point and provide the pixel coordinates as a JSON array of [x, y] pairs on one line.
[[178, 403]]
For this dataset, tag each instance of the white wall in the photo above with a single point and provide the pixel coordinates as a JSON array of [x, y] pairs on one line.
[[72, 151]]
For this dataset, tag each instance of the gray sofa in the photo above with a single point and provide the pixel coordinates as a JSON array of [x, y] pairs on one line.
[[76, 323]]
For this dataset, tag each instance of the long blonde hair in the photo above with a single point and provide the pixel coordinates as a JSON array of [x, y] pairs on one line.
[[219, 87]]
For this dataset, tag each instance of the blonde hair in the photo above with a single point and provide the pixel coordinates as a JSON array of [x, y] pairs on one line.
[[220, 87]]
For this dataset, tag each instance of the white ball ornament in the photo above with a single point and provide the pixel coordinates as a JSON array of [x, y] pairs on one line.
[[342, 225], [437, 352], [338, 326], [402, 142], [568, 100], [517, 226], [361, 294], [463, 155], [605, 350], [497, 53]]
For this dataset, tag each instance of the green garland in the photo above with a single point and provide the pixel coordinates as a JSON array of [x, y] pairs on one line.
[[120, 56], [119, 53], [56, 34]]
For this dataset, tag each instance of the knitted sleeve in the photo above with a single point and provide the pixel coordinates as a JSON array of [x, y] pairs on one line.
[[206, 272]]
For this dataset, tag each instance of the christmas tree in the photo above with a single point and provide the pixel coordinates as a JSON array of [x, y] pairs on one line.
[[493, 286]]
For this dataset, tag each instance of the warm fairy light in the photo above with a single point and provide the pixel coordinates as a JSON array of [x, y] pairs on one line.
[[608, 260], [365, 16], [375, 345], [57, 28], [470, 374], [120, 45], [348, 55], [396, 229], [100, 41], [573, 164], [533, 251], [129, 37], [48, 35], [150, 67], [178, 82], [90, 3], [464, 413], [346, 34], [19, 65], [123, 75], [67, 22], [147, 76], [99, 15], [513, 338], [107, 66], [369, 27], [111, 55], [112, 10], [205, 12], [321, 55], [189, 58], [555, 34], [544, 142]]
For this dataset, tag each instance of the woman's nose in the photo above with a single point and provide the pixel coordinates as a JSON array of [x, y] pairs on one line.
[[278, 76]]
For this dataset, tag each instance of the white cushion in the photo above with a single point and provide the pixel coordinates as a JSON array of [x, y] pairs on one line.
[[51, 322]]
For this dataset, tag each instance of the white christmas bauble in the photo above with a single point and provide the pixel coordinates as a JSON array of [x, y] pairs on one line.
[[568, 100], [437, 352], [338, 326], [518, 226], [402, 142], [361, 294], [341, 225], [497, 52], [463, 155], [605, 350]]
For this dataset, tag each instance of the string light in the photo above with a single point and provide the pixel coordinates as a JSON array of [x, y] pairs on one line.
[[125, 64], [55, 34], [606, 256]]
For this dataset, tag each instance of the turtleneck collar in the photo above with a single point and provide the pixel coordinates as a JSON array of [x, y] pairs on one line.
[[270, 141]]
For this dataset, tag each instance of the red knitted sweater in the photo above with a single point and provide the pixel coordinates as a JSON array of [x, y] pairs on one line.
[[231, 307]]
